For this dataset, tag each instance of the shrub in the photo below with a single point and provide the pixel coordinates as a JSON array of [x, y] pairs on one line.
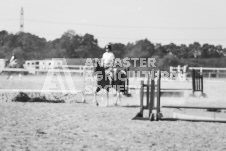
[[169, 60], [23, 97]]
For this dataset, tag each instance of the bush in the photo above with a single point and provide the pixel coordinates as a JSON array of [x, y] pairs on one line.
[[169, 60], [23, 97]]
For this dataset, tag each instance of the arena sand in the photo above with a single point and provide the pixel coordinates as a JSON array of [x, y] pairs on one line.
[[83, 126]]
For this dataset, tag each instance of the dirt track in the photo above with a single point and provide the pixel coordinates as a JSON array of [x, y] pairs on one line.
[[77, 126]]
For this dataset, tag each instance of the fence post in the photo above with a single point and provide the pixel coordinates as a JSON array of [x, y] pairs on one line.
[[127, 80], [202, 84], [178, 69], [171, 72], [193, 81], [81, 69], [147, 94], [152, 96], [141, 97], [158, 112], [201, 70], [185, 72]]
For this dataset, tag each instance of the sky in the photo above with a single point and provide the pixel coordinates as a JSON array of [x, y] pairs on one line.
[[120, 21]]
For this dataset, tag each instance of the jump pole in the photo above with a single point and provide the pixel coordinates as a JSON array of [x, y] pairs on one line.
[[141, 98], [147, 102], [197, 82], [142, 107], [158, 112], [126, 86], [148, 98], [152, 96]]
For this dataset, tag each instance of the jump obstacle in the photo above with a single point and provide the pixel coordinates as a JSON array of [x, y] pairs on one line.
[[126, 86], [179, 71], [152, 90]]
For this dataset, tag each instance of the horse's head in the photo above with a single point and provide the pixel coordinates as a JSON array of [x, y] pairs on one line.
[[96, 65]]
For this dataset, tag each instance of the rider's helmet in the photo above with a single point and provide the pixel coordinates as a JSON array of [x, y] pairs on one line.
[[108, 47], [14, 56]]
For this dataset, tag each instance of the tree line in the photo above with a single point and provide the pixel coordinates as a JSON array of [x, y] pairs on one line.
[[27, 46]]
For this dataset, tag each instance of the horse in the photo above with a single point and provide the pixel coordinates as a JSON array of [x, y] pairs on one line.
[[103, 82]]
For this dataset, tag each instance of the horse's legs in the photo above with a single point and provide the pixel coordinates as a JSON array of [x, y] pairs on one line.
[[118, 97], [95, 94], [9, 75], [119, 88], [107, 98], [107, 94], [83, 97], [95, 99]]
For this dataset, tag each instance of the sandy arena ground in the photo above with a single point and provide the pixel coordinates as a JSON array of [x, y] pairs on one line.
[[84, 126]]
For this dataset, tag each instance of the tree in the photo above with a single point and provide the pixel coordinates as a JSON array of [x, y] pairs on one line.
[[194, 50], [169, 60], [82, 52], [2, 55], [118, 49], [56, 53], [160, 50], [183, 51], [173, 49], [141, 49], [69, 33]]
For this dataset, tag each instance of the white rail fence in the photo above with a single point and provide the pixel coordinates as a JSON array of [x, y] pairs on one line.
[[210, 71], [35, 69], [182, 71]]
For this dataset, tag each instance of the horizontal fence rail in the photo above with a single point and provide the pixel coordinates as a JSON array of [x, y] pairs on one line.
[[40, 70], [82, 69], [207, 68]]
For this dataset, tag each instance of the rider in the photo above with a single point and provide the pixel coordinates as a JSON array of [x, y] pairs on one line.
[[13, 61], [107, 62]]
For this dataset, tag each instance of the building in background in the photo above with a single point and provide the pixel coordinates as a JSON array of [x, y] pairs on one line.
[[54, 63], [3, 63], [43, 64]]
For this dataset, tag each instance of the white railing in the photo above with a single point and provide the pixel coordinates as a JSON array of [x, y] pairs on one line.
[[31, 69], [82, 69], [209, 70], [52, 66], [213, 71]]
